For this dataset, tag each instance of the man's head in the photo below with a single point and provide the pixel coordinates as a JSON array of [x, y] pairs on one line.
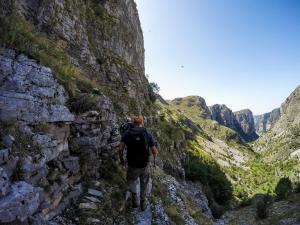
[[138, 121]]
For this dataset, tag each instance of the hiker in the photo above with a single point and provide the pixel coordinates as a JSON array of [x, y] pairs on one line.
[[138, 141]]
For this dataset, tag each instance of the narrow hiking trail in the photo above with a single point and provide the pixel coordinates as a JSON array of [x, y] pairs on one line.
[[143, 217]]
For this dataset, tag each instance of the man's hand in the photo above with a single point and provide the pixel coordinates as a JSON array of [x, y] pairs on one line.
[[154, 152]]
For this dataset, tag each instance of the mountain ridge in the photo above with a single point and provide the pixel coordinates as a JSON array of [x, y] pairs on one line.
[[241, 121]]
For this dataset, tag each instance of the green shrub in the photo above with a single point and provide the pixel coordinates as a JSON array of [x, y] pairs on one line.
[[174, 213], [283, 188], [83, 103], [23, 145]]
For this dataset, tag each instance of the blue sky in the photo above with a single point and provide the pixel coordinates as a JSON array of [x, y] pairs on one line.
[[242, 53]]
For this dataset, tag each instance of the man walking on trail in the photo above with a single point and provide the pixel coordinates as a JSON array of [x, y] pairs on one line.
[[138, 141]]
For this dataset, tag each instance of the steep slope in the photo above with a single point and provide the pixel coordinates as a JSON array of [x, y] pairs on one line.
[[247, 171], [282, 140], [196, 109], [280, 212], [192, 102], [290, 116], [186, 139], [225, 146]]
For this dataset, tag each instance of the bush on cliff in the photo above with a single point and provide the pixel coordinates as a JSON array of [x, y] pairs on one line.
[[283, 188], [21, 35]]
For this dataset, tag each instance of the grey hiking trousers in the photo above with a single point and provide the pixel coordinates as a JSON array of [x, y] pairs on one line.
[[132, 180]]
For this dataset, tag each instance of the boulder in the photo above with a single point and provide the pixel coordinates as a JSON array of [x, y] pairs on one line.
[[95, 193], [29, 91], [22, 202]]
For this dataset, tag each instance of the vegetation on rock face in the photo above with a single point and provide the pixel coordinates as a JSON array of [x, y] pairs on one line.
[[22, 145], [54, 51], [19, 34], [189, 107], [83, 103], [179, 134]]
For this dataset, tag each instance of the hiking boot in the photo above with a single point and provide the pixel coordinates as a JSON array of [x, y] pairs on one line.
[[144, 204], [135, 202]]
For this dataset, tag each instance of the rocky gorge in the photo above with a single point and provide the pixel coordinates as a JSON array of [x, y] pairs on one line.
[[70, 73]]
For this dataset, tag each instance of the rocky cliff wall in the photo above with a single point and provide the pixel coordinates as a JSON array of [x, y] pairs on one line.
[[68, 70], [223, 115], [266, 121], [100, 44], [47, 152], [245, 124], [289, 110], [242, 121]]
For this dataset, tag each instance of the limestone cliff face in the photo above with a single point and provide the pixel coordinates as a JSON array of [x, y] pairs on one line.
[[245, 124], [288, 116], [290, 109], [285, 131], [102, 39], [265, 121], [223, 115], [34, 157], [242, 121], [42, 142]]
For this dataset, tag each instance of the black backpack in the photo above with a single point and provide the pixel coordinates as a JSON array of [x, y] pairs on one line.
[[125, 127], [137, 147]]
